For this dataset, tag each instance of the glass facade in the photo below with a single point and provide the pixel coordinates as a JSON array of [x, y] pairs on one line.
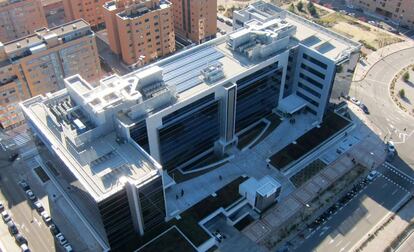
[[116, 217], [139, 134], [151, 198], [257, 95], [189, 132]]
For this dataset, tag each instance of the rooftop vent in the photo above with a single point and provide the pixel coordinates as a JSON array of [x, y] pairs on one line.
[[74, 27], [213, 73]]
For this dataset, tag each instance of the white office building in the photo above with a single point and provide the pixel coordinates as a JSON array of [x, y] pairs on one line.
[[121, 137]]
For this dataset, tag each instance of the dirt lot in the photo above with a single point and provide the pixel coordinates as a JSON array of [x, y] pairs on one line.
[[371, 37]]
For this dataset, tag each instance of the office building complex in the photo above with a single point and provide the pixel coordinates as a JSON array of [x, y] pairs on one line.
[[37, 64], [89, 10], [195, 19], [122, 138], [140, 32], [400, 11], [19, 18]]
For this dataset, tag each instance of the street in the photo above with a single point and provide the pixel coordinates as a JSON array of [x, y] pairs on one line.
[[363, 214]]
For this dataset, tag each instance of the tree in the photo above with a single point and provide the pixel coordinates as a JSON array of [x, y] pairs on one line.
[[406, 76], [312, 9], [401, 93], [291, 8], [299, 6]]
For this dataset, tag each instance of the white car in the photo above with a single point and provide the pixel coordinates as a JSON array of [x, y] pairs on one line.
[[61, 239], [6, 216], [30, 194], [67, 247], [24, 248], [46, 217], [355, 101], [391, 147], [372, 175]]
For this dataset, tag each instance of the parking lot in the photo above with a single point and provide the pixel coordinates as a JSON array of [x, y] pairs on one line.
[[357, 214]]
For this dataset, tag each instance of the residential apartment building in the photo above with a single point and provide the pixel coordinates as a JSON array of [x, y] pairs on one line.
[[140, 31], [399, 11], [195, 19], [89, 10], [19, 18], [37, 64], [122, 138]]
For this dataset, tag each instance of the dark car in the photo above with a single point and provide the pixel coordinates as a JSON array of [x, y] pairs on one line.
[[20, 239], [365, 109], [54, 229], [12, 228], [13, 157], [23, 184]]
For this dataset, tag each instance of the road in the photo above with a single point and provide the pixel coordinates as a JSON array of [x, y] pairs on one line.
[[408, 245], [391, 122], [28, 221], [356, 220]]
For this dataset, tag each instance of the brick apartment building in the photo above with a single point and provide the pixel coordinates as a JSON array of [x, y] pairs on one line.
[[37, 64], [20, 18], [195, 19], [400, 11], [141, 31], [89, 10]]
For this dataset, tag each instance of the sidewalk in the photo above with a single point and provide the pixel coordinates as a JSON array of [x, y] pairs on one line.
[[364, 66], [393, 229]]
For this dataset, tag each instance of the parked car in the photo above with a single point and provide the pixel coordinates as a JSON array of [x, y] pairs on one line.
[[46, 217], [364, 108], [1, 207], [61, 239], [23, 184], [39, 207], [229, 23], [391, 147], [54, 229], [20, 239], [12, 228], [24, 248], [6, 216], [13, 157], [372, 175], [68, 247], [355, 101], [30, 195]]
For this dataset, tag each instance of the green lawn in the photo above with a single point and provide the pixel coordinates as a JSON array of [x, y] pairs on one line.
[[307, 173], [332, 123], [171, 241]]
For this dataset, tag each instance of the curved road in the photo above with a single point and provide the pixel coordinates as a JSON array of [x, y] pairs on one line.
[[391, 122]]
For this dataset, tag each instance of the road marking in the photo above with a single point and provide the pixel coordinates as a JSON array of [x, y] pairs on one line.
[[343, 248], [368, 215], [339, 243]]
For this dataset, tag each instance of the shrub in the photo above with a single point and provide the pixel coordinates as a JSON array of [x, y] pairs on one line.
[[291, 8], [299, 6], [401, 93], [312, 9], [406, 76]]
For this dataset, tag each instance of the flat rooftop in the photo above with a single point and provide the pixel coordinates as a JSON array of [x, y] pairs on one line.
[[40, 35], [319, 38], [102, 165]]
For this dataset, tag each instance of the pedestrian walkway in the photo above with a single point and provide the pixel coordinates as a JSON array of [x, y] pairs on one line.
[[392, 230], [366, 64]]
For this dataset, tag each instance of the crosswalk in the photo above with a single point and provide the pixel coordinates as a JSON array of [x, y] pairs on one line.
[[397, 177], [21, 139]]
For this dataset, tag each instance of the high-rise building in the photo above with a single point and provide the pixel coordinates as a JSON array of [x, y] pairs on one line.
[[89, 10], [123, 137], [19, 18], [37, 64], [399, 11], [140, 31], [195, 19]]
